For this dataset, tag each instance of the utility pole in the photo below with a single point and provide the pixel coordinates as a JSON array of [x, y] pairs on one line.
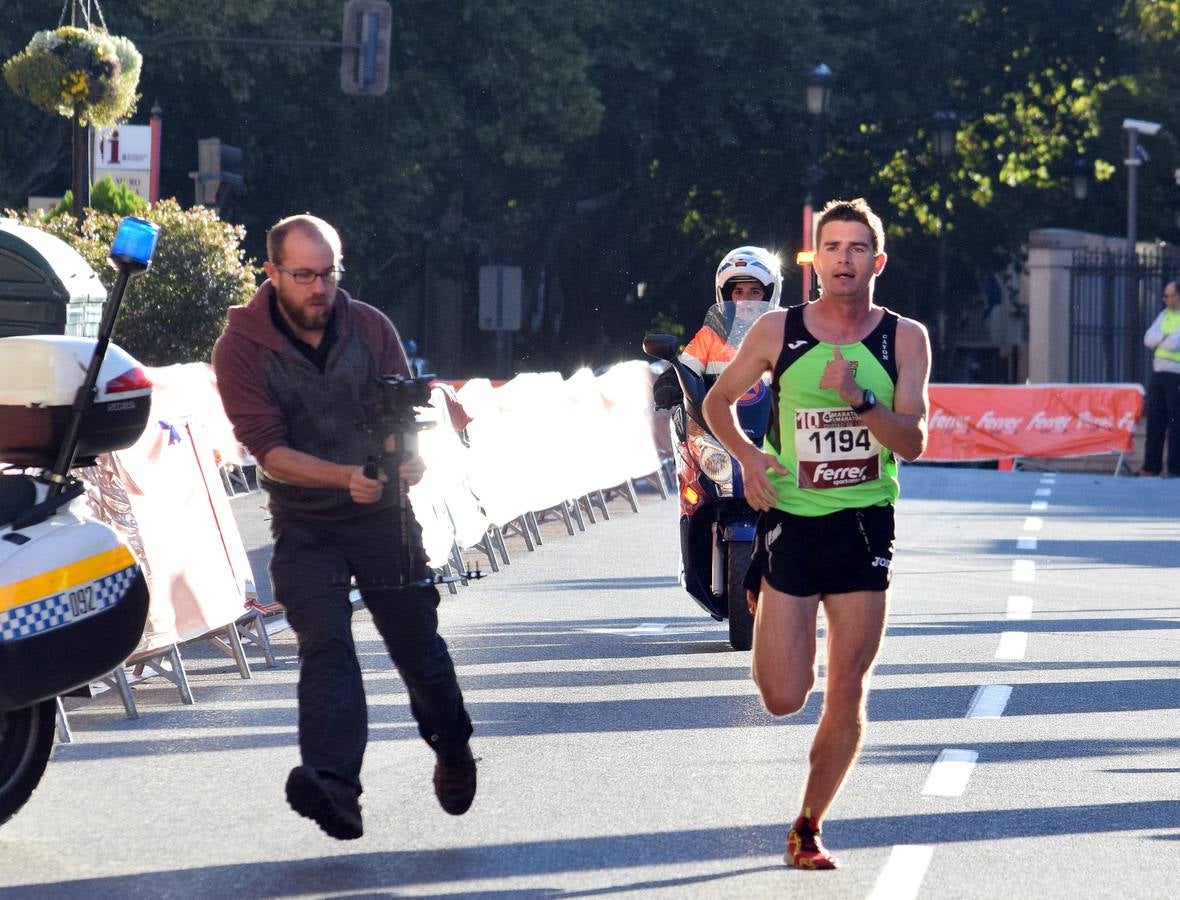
[[80, 133], [1136, 156], [817, 98], [157, 133]]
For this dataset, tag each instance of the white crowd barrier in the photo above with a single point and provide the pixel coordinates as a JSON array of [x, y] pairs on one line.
[[595, 458], [536, 445], [541, 444], [166, 498], [626, 392], [494, 452]]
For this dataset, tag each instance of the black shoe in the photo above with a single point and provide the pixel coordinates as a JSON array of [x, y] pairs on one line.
[[454, 781], [327, 801]]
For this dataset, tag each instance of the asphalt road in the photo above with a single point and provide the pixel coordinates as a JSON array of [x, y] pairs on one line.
[[1024, 740]]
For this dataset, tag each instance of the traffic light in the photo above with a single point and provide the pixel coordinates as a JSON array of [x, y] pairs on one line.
[[215, 181], [364, 61]]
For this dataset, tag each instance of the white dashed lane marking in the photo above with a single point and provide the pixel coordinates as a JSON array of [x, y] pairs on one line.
[[1012, 645], [902, 876], [950, 773], [1024, 570], [989, 701], [1019, 607], [901, 879]]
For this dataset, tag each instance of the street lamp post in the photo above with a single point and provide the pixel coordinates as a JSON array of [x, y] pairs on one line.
[[1080, 180], [1176, 201], [945, 126], [1136, 156], [817, 97], [80, 135]]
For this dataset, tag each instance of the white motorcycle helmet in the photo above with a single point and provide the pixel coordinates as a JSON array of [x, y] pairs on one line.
[[750, 264]]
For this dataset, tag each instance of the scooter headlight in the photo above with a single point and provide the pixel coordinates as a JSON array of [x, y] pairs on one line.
[[714, 460], [717, 464]]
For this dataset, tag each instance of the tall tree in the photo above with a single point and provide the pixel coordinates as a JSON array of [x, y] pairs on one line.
[[616, 150]]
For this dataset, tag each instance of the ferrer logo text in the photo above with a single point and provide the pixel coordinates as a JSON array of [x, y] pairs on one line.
[[940, 421], [841, 474]]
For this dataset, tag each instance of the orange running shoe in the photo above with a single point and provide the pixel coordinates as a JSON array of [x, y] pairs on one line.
[[805, 850]]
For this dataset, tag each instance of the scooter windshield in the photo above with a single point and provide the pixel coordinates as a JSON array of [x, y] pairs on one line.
[[733, 319]]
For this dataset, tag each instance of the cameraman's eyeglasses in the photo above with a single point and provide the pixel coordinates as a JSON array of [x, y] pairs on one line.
[[307, 276]]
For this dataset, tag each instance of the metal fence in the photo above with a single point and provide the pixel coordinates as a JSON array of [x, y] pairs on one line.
[[1114, 297]]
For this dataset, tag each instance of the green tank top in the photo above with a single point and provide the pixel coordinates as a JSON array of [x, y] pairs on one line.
[[832, 459]]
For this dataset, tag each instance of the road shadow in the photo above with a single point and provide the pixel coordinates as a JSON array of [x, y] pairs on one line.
[[1137, 552], [390, 721], [383, 871], [1013, 751], [1034, 626], [637, 583]]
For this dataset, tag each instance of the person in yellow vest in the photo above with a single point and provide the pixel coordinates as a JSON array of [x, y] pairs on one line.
[[1163, 393]]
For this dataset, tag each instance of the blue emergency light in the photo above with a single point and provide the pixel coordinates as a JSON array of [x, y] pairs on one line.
[[134, 244]]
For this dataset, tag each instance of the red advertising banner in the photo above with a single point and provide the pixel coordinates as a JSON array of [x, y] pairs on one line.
[[988, 421]]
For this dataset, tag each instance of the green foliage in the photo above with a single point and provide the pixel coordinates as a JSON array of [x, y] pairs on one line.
[[602, 143], [1157, 19], [1027, 83], [105, 197], [176, 311], [122, 103], [76, 71], [662, 323]]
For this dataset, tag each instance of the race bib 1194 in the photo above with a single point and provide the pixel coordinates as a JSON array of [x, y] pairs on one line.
[[833, 448]]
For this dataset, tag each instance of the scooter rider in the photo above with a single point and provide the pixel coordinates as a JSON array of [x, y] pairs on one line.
[[745, 276]]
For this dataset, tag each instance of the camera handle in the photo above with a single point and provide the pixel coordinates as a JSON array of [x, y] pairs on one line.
[[387, 462]]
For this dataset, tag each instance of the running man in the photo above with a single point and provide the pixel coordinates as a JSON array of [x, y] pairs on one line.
[[850, 384]]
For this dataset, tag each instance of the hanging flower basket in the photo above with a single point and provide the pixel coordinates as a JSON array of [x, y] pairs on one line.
[[77, 71]]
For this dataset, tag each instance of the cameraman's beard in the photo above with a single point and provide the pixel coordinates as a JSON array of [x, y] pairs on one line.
[[313, 315]]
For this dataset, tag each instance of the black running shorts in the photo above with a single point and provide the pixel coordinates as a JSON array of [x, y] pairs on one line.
[[845, 551]]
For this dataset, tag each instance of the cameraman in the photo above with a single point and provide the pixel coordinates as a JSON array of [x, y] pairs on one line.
[[298, 371]]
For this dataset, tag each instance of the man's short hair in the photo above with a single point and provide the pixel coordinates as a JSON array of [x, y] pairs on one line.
[[857, 210], [310, 225]]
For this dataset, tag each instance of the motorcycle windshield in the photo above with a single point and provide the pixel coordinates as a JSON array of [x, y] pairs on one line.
[[732, 320]]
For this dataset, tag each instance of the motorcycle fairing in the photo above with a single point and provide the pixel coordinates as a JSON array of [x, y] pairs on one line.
[[725, 507], [74, 612], [64, 595], [696, 553], [738, 530]]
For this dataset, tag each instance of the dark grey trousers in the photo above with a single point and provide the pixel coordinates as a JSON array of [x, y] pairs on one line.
[[1163, 418], [310, 570]]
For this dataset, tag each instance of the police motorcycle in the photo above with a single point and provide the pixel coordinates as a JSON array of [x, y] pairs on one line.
[[716, 523], [73, 598]]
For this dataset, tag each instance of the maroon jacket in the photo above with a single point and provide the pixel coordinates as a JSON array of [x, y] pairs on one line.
[[276, 397]]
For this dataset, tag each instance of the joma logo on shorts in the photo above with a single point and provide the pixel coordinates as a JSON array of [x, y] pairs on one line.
[[824, 472], [880, 562]]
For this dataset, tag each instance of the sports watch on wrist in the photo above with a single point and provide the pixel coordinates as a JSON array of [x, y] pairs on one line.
[[869, 401]]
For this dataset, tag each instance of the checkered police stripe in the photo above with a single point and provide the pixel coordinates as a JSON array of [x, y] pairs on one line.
[[54, 611]]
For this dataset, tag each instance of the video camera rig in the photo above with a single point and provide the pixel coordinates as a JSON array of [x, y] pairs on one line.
[[396, 413]]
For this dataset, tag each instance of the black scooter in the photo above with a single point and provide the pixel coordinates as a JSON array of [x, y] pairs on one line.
[[716, 523]]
